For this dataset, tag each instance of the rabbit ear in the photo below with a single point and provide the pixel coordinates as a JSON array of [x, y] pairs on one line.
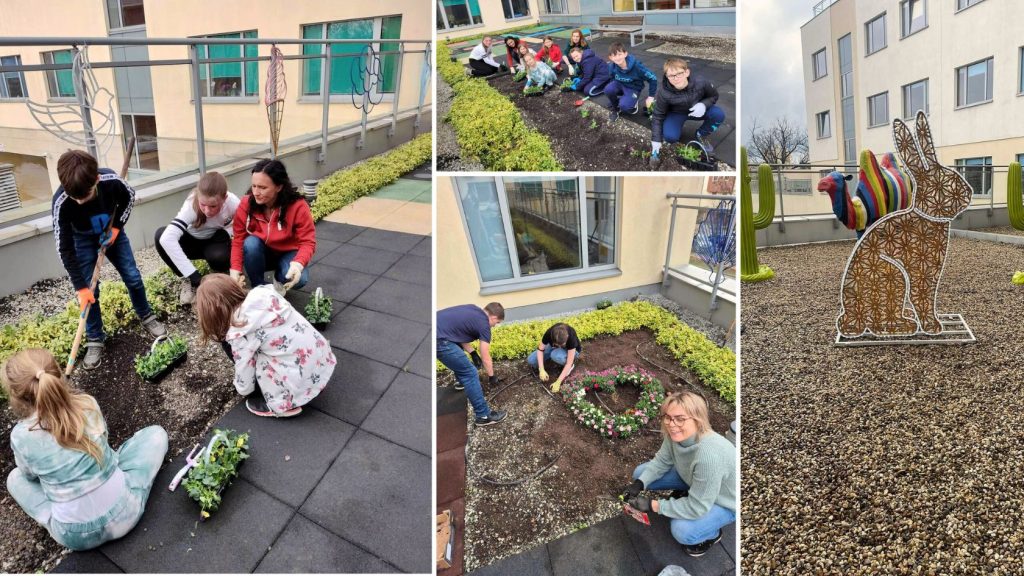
[[906, 147], [924, 138]]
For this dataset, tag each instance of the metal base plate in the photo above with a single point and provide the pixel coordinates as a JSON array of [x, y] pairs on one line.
[[954, 331]]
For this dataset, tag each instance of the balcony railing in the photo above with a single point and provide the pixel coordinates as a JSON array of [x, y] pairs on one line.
[[822, 6]]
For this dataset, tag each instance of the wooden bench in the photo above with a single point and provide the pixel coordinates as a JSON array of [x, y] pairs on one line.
[[631, 25]]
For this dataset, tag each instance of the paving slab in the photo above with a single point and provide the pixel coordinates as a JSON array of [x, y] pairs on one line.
[[729, 542], [355, 387], [412, 269], [323, 248], [340, 284], [422, 361], [451, 431], [657, 548], [402, 299], [387, 240], [91, 562], [451, 401], [288, 456], [535, 561], [451, 475], [361, 259], [602, 549], [424, 248], [376, 335], [458, 510], [377, 495], [336, 231], [402, 415], [307, 548]]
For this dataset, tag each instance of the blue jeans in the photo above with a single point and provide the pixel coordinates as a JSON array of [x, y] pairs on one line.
[[689, 531], [559, 355], [622, 96], [119, 254], [257, 259], [672, 129], [454, 358]]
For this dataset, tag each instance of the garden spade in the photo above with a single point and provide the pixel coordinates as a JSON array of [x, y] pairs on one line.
[[191, 460], [635, 514], [580, 102]]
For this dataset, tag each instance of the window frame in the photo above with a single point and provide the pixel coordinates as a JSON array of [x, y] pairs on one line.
[[120, 17], [203, 52], [586, 271], [986, 173], [989, 84], [1020, 71], [827, 117], [903, 94], [814, 64], [48, 58], [508, 3], [905, 31], [375, 42], [4, 94], [444, 17], [970, 3], [868, 36], [690, 6], [871, 111]]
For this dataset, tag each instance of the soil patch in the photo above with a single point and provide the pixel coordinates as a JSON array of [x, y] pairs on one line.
[[582, 487], [590, 143], [185, 403]]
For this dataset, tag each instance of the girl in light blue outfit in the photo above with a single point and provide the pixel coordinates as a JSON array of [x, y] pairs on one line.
[[67, 477], [538, 72]]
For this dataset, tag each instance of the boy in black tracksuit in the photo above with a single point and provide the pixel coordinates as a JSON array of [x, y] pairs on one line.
[[683, 97], [90, 209]]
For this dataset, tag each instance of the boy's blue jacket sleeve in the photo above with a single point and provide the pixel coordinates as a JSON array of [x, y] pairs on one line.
[[652, 80]]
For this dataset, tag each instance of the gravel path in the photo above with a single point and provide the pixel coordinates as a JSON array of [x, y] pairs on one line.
[[896, 460], [719, 49], [449, 156]]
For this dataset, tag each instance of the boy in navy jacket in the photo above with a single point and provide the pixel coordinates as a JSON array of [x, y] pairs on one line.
[[592, 71], [627, 82]]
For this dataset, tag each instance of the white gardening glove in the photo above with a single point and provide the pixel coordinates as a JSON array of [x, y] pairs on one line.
[[293, 275], [655, 148], [698, 109], [238, 277], [571, 70]]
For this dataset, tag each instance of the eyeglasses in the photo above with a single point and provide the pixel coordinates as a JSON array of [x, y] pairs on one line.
[[676, 75], [677, 420]]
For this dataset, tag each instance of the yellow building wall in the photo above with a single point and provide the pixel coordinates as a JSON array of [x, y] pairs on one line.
[[494, 19], [644, 219]]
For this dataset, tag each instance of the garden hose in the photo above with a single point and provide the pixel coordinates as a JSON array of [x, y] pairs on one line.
[[676, 374], [526, 478]]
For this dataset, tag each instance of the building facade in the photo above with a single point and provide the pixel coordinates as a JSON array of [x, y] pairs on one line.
[[456, 18]]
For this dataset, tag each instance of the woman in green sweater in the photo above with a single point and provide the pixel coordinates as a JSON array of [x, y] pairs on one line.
[[699, 465]]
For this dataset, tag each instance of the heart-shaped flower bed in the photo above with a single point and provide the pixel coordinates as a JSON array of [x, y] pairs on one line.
[[652, 394]]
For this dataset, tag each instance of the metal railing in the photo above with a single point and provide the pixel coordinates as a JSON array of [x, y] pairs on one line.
[[194, 62], [720, 269], [822, 6]]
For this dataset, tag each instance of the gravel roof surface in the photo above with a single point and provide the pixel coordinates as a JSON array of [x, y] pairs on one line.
[[721, 49], [901, 460]]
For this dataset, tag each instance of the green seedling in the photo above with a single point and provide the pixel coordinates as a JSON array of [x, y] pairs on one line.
[[593, 124], [160, 357], [214, 471], [533, 90], [689, 153], [566, 84], [519, 76], [319, 308], [584, 112]]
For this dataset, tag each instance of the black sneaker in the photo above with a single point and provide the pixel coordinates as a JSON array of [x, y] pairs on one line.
[[493, 418], [613, 115], [258, 406], [459, 385], [698, 550]]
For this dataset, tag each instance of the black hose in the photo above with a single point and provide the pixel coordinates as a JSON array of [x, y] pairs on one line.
[[523, 479]]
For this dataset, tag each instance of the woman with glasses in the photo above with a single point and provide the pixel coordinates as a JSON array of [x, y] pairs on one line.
[[699, 466], [679, 99]]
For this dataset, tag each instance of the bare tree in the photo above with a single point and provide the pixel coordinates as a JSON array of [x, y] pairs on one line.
[[782, 142]]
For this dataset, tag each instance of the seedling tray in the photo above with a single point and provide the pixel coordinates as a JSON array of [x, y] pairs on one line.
[[220, 491], [156, 378]]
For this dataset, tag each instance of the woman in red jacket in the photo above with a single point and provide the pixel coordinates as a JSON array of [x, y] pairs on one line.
[[551, 52], [273, 230]]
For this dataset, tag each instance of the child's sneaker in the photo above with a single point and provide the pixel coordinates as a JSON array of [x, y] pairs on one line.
[[155, 327], [258, 406], [613, 115], [187, 294], [636, 108], [93, 354]]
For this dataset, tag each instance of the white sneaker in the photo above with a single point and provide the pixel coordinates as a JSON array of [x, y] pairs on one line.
[[280, 289], [187, 294]]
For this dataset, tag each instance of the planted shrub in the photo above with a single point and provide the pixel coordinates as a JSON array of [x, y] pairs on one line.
[[519, 76], [689, 153], [217, 466], [533, 90], [566, 85], [605, 303], [164, 356], [318, 310]]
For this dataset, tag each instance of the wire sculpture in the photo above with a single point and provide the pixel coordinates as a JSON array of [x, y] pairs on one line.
[[715, 241], [367, 76], [277, 91], [88, 123]]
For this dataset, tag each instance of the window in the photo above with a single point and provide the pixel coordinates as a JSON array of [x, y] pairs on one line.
[[874, 32], [348, 66], [59, 83], [143, 128], [526, 228], [915, 97], [516, 8], [913, 16], [229, 79], [124, 13], [961, 4], [1020, 73], [12, 84], [1020, 160], [555, 6], [824, 124], [978, 173], [819, 64], [974, 83], [457, 13], [714, 3], [660, 5], [878, 109]]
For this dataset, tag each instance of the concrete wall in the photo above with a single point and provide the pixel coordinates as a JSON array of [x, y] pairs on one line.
[[493, 20]]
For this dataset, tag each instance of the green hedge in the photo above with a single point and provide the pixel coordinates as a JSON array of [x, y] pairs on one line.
[[488, 125], [714, 365], [346, 186]]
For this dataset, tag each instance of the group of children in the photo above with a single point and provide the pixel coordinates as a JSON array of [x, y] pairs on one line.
[[673, 100], [697, 464], [67, 477]]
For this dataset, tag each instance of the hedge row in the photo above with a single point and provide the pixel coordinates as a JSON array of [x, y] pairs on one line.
[[714, 365], [489, 127], [346, 186]]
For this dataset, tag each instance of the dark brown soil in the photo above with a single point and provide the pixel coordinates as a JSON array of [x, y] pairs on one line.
[[185, 403], [582, 487], [607, 147]]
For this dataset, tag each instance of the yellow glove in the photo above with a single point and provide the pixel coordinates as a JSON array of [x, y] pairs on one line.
[[556, 385], [543, 373]]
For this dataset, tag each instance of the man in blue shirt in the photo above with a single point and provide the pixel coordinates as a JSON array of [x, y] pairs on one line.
[[457, 328]]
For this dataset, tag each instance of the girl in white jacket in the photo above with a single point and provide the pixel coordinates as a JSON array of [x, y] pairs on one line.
[[281, 361]]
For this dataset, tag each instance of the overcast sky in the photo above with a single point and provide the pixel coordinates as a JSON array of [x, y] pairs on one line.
[[771, 68]]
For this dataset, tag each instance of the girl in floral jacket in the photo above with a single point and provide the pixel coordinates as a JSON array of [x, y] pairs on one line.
[[281, 361]]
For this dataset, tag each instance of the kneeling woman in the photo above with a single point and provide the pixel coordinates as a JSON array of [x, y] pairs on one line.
[[274, 231], [67, 477], [696, 462]]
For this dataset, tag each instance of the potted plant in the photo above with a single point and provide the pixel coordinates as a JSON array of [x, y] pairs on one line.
[[605, 303], [536, 90], [166, 354], [566, 85], [318, 310], [217, 465], [519, 76], [695, 158]]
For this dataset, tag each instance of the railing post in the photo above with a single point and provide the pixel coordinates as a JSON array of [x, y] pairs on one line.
[[86, 108], [398, 86], [197, 98], [325, 93], [668, 250], [782, 208]]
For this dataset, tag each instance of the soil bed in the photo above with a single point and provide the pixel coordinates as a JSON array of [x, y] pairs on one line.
[[185, 403], [605, 147], [582, 487], [881, 460]]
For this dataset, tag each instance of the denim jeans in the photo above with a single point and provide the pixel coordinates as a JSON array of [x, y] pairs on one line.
[[119, 254], [454, 358], [690, 531], [559, 355], [257, 259], [620, 96], [672, 129]]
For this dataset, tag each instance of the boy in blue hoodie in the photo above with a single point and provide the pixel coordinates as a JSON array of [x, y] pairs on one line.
[[592, 71], [627, 82]]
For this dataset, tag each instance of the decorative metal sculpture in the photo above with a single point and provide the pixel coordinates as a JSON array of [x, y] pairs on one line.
[[881, 189], [890, 285], [715, 242], [366, 77], [277, 91]]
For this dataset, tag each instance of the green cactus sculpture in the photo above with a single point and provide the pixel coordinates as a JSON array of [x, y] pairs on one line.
[[750, 269], [1013, 196]]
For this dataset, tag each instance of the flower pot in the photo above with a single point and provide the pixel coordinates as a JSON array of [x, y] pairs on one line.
[[320, 326], [316, 308]]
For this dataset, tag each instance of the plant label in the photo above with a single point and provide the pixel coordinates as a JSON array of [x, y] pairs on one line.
[[635, 514]]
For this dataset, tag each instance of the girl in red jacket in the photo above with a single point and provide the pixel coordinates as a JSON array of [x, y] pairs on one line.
[[551, 52], [273, 231]]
